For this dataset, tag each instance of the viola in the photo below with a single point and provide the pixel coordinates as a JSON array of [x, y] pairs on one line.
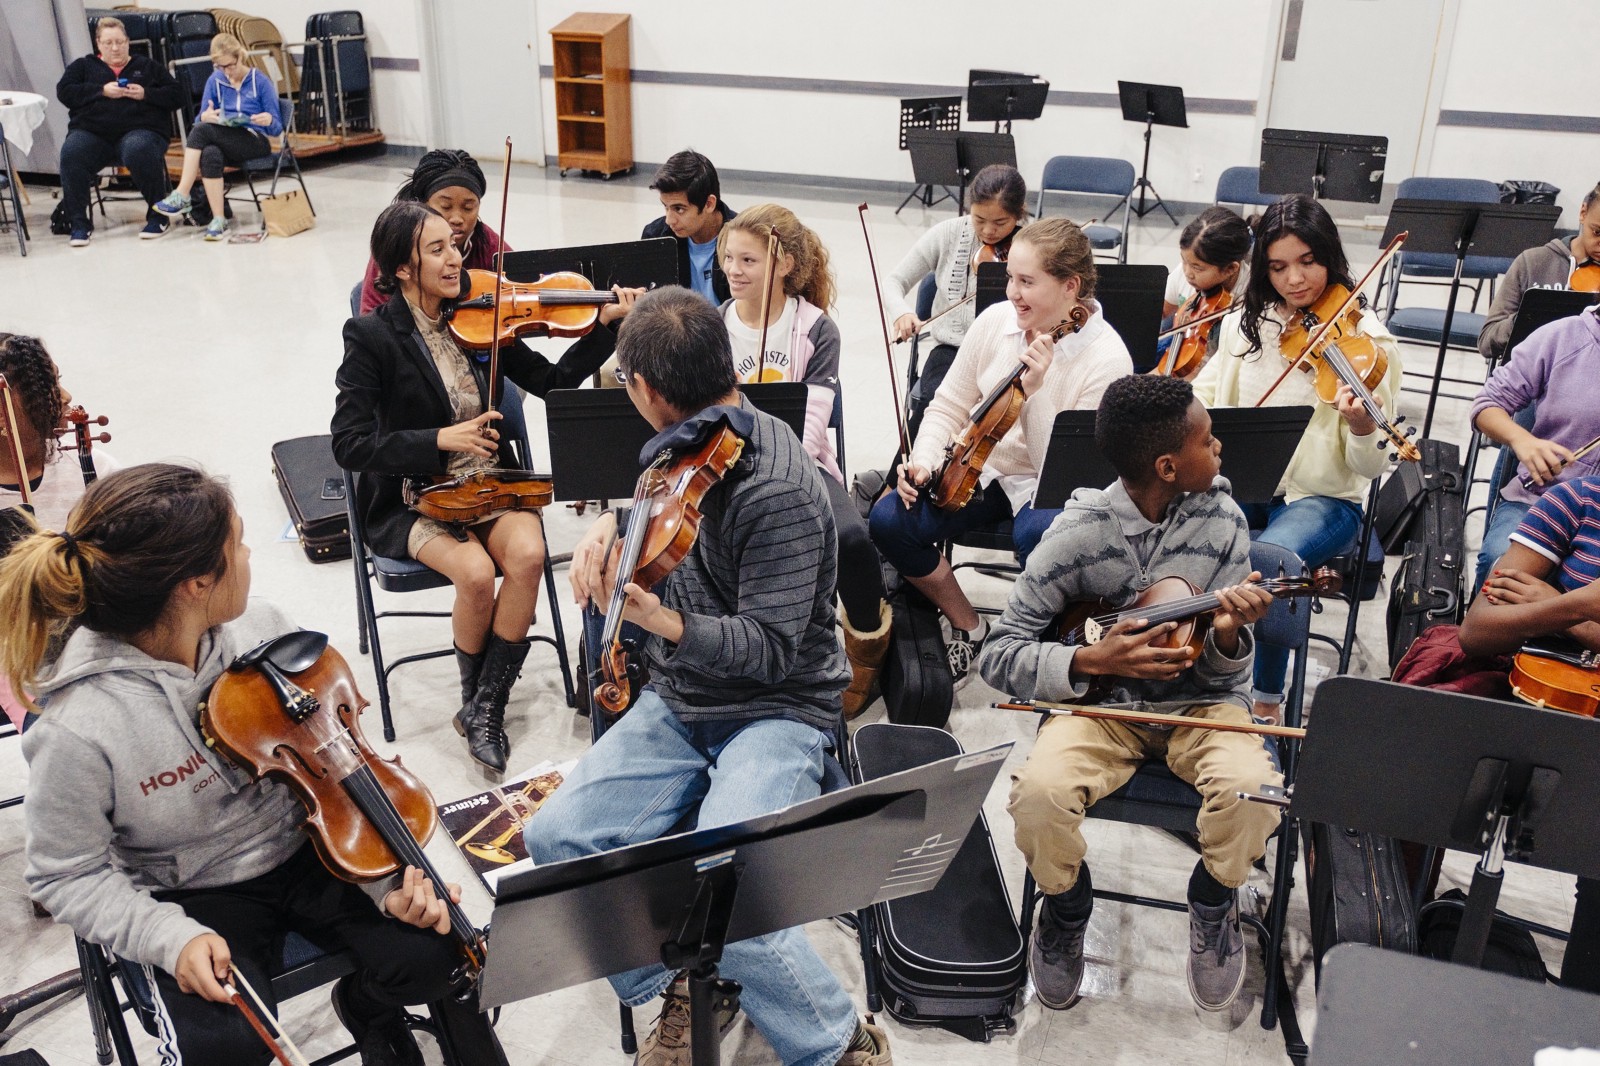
[[563, 304], [84, 439], [1186, 356], [1557, 679], [1585, 278], [966, 453], [1176, 599], [478, 495], [662, 527], [288, 709]]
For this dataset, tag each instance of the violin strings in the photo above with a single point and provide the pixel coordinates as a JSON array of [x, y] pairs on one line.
[[1188, 604]]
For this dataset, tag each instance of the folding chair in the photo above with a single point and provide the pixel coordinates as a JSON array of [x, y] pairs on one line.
[[278, 164], [408, 575], [1155, 797], [1353, 567], [1242, 186], [1098, 176]]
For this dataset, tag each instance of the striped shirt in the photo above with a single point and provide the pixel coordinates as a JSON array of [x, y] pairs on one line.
[[756, 595], [1564, 527]]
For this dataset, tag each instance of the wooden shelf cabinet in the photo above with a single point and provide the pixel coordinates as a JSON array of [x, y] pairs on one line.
[[594, 106]]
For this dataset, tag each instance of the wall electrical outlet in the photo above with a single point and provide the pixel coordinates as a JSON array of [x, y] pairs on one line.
[[1197, 172]]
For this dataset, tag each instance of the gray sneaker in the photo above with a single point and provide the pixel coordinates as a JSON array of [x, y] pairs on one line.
[[1056, 958], [1216, 954]]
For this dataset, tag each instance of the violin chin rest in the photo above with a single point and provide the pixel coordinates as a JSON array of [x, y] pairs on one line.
[[291, 653]]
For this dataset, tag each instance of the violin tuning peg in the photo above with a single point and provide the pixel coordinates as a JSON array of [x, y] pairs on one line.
[[1399, 419]]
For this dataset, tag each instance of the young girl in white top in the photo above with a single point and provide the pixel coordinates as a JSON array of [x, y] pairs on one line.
[[952, 252], [1050, 273], [803, 345], [1214, 247]]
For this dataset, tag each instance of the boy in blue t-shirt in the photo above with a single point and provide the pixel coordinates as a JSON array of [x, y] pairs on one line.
[[691, 196], [1545, 585]]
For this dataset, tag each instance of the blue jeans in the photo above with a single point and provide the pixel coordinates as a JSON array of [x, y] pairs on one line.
[[1507, 516], [83, 155], [638, 781], [909, 537], [1315, 528]]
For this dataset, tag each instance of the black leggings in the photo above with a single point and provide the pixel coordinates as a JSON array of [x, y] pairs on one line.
[[1580, 966], [860, 578], [222, 146], [398, 964]]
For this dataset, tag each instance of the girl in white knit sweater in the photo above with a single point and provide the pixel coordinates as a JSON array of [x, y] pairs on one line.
[[1050, 273]]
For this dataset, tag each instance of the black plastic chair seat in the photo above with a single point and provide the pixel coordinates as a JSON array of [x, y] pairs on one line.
[[994, 538], [405, 575], [1102, 236], [1156, 796], [1426, 324]]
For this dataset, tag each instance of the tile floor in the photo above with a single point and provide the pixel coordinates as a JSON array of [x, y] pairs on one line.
[[213, 351]]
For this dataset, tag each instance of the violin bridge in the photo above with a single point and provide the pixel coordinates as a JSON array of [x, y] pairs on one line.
[[1092, 631]]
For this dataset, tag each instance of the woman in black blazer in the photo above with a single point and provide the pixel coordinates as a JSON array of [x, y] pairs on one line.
[[411, 402]]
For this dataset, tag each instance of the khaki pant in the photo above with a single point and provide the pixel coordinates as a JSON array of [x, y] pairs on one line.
[[1075, 761]]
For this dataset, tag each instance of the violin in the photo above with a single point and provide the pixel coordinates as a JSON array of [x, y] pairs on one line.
[[478, 495], [84, 439], [563, 304], [992, 253], [966, 453], [1324, 340], [1176, 599], [1585, 278], [289, 709], [662, 527], [1557, 679], [1186, 356]]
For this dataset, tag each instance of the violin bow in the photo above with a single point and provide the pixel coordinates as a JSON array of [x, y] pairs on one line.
[[13, 430], [888, 346], [282, 1047], [766, 301], [931, 319], [1202, 320], [1117, 714], [499, 281], [1315, 342]]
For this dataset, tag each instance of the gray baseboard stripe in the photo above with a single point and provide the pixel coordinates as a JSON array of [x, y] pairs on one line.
[[1058, 98], [1509, 120], [392, 63]]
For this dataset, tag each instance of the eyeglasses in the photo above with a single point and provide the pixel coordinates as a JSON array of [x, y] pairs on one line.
[[224, 67]]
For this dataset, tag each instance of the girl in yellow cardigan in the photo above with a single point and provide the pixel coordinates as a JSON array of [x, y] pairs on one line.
[[1317, 510]]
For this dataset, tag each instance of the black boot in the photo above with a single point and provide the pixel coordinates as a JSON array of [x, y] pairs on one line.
[[470, 666], [483, 720]]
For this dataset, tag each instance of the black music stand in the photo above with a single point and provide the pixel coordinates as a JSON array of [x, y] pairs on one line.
[[1384, 1006], [1540, 307], [977, 150], [1257, 444], [1131, 295], [990, 287], [632, 264], [1154, 105], [1002, 95], [935, 163], [680, 899], [928, 113], [1502, 780], [1328, 166], [1457, 229], [596, 435]]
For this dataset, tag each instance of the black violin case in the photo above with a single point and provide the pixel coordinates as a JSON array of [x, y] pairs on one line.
[[953, 957], [312, 487], [915, 681]]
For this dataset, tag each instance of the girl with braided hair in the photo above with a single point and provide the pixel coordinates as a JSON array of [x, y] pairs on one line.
[[451, 182], [55, 478]]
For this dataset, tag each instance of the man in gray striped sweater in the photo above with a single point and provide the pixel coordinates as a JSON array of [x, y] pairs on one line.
[[746, 671], [1169, 514]]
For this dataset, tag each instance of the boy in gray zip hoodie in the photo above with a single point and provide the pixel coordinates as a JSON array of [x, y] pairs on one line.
[[143, 839], [1169, 514]]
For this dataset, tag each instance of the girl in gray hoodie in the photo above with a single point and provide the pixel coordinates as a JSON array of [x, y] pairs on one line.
[[143, 839]]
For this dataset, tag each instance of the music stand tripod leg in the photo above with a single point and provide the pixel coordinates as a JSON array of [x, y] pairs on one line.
[[1144, 181]]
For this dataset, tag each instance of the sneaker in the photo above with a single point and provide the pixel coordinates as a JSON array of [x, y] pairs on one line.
[[384, 1040], [1216, 954], [878, 1056], [155, 229], [217, 230], [174, 206], [80, 236], [1056, 959], [668, 1042], [961, 652]]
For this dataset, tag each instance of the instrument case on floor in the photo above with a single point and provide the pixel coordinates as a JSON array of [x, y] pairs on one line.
[[1357, 891], [1426, 593], [1425, 500], [307, 478], [915, 681], [953, 957]]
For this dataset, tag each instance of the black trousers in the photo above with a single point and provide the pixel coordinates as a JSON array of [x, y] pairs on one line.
[[83, 154], [934, 368], [221, 146], [397, 964], [860, 579]]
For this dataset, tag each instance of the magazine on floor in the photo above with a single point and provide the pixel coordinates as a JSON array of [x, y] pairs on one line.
[[487, 827]]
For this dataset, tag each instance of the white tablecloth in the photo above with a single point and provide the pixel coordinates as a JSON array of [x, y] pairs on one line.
[[21, 113]]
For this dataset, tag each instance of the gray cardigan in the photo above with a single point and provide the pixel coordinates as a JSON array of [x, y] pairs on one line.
[[946, 250]]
